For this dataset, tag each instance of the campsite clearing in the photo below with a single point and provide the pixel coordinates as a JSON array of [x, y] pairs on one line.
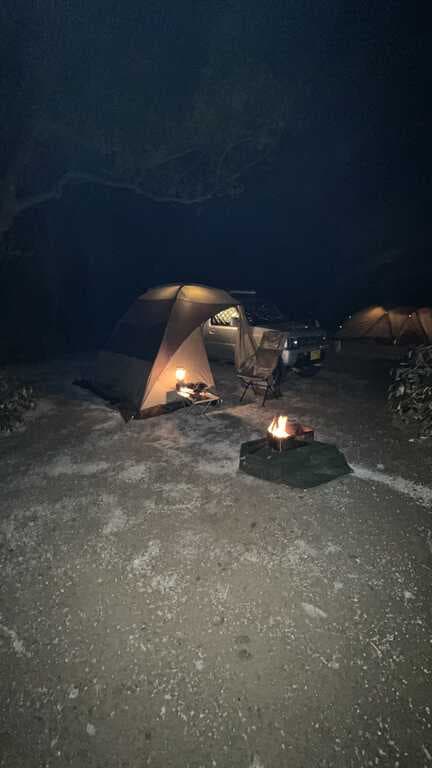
[[159, 608]]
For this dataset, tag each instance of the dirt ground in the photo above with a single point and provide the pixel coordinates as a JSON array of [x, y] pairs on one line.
[[158, 608]]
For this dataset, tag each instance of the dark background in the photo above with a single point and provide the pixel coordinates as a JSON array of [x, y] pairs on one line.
[[338, 217]]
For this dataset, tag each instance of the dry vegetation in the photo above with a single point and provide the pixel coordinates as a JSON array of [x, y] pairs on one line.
[[15, 398], [410, 393]]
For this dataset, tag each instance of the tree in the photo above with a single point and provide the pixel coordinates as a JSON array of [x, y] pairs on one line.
[[167, 102]]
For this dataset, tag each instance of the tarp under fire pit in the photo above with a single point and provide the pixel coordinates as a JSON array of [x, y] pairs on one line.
[[309, 465]]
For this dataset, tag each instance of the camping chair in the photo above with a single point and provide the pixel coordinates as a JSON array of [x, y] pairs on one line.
[[262, 371]]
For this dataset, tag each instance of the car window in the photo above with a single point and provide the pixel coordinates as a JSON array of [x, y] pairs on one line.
[[224, 318]]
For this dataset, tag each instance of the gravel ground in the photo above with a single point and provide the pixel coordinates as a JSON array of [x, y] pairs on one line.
[[159, 608]]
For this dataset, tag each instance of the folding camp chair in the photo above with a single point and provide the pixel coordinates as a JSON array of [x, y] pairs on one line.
[[262, 371]]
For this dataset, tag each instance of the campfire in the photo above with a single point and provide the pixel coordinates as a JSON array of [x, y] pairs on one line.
[[284, 433], [269, 457]]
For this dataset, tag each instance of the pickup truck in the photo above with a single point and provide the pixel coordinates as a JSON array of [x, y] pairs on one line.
[[306, 341]]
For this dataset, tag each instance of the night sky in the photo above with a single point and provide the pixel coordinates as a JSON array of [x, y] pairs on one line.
[[332, 217]]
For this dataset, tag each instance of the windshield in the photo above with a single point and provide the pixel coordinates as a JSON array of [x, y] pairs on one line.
[[262, 312]]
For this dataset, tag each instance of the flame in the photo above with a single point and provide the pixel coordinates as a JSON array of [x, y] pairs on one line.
[[180, 374], [280, 427]]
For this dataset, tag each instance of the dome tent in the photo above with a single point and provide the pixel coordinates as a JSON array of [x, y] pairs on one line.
[[158, 334], [400, 325]]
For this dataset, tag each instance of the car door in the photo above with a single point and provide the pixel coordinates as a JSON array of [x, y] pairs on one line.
[[221, 335]]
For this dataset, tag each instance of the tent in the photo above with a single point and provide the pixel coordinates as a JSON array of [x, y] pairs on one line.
[[400, 325], [158, 334]]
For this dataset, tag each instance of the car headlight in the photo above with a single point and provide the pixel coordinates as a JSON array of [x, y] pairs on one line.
[[292, 343]]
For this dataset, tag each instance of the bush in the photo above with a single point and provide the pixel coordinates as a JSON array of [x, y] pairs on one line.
[[410, 393], [15, 399]]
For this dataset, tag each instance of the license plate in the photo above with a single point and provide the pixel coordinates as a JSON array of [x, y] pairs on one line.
[[315, 354]]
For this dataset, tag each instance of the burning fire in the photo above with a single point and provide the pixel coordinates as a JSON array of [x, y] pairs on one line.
[[180, 374], [280, 427]]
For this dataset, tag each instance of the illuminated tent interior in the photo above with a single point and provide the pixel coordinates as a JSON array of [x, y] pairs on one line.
[[160, 333], [400, 325]]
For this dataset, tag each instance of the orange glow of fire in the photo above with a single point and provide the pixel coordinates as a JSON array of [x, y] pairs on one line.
[[280, 427], [180, 374]]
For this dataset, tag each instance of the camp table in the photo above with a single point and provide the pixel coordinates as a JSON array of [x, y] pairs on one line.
[[204, 398]]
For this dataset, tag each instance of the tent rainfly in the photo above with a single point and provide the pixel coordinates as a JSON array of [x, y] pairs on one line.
[[160, 333], [401, 325]]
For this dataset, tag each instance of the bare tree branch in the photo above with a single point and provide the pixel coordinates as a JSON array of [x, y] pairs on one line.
[[78, 177], [145, 138], [81, 177], [227, 151]]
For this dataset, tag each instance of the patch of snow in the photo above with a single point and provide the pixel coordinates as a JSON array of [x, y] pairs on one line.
[[313, 612], [135, 472], [107, 424], [251, 556], [256, 762], [144, 563], [218, 467], [116, 522], [65, 466], [417, 491], [17, 644], [408, 595], [332, 549], [190, 546], [305, 549], [164, 584]]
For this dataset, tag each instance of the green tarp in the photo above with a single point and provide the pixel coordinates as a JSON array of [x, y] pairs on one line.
[[307, 466]]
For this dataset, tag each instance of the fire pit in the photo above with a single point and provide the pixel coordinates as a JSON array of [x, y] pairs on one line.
[[272, 458], [284, 433]]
